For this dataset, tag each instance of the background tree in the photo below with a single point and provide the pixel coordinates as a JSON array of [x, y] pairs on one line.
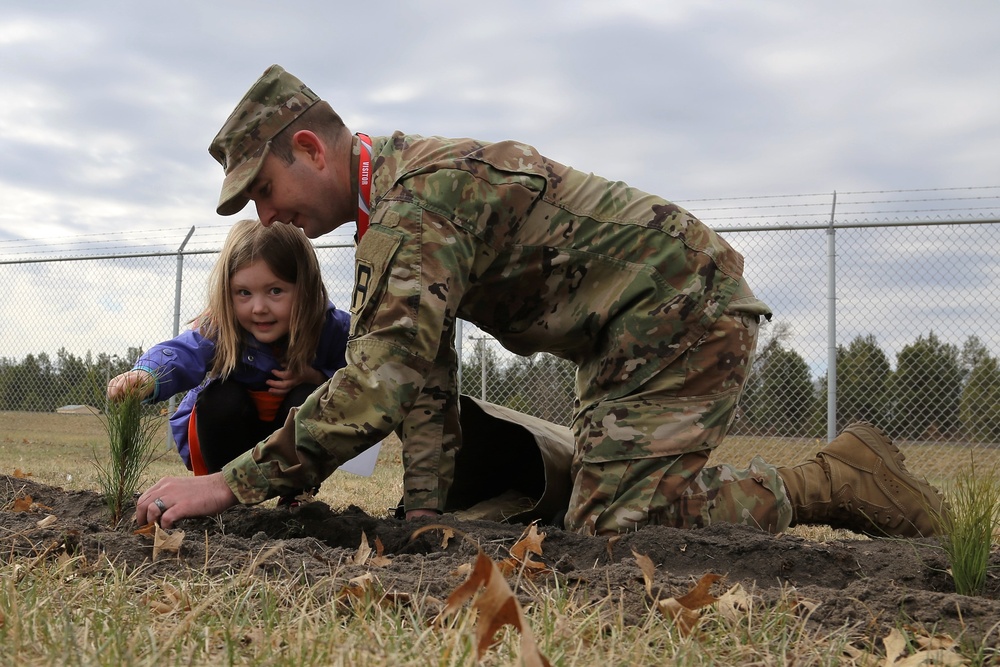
[[925, 389], [750, 415], [979, 406], [786, 395], [863, 372]]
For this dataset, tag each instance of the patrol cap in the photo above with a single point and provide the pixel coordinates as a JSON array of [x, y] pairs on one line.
[[274, 101]]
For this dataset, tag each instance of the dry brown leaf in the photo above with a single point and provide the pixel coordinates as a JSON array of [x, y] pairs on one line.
[[366, 580], [146, 531], [497, 607], [648, 570], [521, 561], [936, 657], [363, 552], [159, 607], [685, 619], [357, 589], [173, 600], [611, 543], [930, 642], [531, 568], [895, 646], [447, 533], [19, 474], [530, 543], [684, 610], [379, 559], [734, 604], [23, 504], [165, 541], [396, 598]]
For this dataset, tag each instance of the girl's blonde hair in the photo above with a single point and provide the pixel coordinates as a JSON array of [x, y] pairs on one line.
[[291, 257]]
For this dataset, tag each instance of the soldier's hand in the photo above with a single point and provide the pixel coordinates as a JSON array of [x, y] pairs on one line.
[[175, 498]]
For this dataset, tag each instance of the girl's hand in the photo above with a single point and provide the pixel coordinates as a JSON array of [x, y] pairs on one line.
[[286, 380], [131, 381]]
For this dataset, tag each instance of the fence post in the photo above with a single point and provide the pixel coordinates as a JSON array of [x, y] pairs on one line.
[[831, 327], [458, 351], [177, 319]]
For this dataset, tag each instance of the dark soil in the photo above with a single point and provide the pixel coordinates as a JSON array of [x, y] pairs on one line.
[[873, 585]]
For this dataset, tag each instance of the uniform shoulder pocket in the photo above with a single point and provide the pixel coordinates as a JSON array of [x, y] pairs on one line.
[[372, 263]]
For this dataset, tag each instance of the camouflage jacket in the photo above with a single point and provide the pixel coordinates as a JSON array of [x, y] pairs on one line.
[[540, 255]]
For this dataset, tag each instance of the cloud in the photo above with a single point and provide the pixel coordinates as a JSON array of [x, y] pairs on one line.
[[109, 109]]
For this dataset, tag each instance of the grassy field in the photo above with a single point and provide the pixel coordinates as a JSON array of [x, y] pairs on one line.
[[51, 614], [61, 450]]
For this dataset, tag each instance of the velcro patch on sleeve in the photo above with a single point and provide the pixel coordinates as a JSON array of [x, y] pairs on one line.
[[371, 269]]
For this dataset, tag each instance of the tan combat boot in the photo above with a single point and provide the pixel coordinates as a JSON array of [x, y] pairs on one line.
[[859, 482]]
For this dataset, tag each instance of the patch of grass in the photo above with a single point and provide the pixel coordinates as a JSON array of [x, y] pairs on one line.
[[74, 612], [969, 528]]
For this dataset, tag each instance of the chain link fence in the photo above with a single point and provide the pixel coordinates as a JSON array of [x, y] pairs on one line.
[[885, 309]]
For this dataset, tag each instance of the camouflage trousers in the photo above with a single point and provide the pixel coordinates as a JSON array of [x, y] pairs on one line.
[[641, 459]]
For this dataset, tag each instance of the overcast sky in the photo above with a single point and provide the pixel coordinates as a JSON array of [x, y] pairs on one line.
[[109, 107]]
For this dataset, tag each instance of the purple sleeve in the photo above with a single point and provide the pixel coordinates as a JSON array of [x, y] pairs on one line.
[[178, 364]]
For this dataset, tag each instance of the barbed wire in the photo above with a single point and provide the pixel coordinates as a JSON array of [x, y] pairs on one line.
[[755, 208]]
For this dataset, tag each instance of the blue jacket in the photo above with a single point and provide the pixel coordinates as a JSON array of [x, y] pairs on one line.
[[183, 363]]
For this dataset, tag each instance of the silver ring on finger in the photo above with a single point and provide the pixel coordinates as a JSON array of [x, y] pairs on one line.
[[160, 505]]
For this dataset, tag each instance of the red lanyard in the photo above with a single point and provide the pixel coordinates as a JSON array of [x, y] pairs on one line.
[[364, 184]]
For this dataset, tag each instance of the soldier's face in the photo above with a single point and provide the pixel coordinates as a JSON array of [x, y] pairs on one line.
[[303, 193]]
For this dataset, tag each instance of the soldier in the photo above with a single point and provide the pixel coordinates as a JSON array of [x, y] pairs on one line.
[[647, 301]]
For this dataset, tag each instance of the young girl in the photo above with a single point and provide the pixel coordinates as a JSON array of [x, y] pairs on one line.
[[269, 338]]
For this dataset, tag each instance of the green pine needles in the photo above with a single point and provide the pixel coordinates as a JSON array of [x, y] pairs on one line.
[[132, 429], [968, 530]]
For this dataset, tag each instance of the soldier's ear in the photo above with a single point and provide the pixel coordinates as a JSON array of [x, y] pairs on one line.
[[307, 145]]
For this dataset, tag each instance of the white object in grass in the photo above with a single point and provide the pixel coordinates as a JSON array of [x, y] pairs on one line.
[[364, 463]]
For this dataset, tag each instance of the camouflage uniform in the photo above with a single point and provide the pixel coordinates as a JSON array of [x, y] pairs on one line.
[[645, 299]]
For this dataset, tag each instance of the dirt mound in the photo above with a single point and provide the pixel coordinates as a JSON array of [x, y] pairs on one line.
[[874, 584]]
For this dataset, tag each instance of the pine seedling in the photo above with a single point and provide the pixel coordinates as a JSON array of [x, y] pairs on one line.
[[968, 529], [132, 433]]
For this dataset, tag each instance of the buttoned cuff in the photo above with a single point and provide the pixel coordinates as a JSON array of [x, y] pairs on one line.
[[247, 480]]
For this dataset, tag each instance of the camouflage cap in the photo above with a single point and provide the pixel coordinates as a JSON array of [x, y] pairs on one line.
[[274, 101]]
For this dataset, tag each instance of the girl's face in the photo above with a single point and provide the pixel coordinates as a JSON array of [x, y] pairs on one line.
[[262, 301]]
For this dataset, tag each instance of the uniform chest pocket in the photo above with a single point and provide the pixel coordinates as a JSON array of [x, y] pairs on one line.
[[373, 267]]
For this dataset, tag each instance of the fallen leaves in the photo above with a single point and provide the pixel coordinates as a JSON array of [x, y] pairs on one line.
[[937, 650], [685, 610], [520, 559], [492, 598], [497, 607], [166, 541], [364, 556], [169, 601], [27, 504]]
